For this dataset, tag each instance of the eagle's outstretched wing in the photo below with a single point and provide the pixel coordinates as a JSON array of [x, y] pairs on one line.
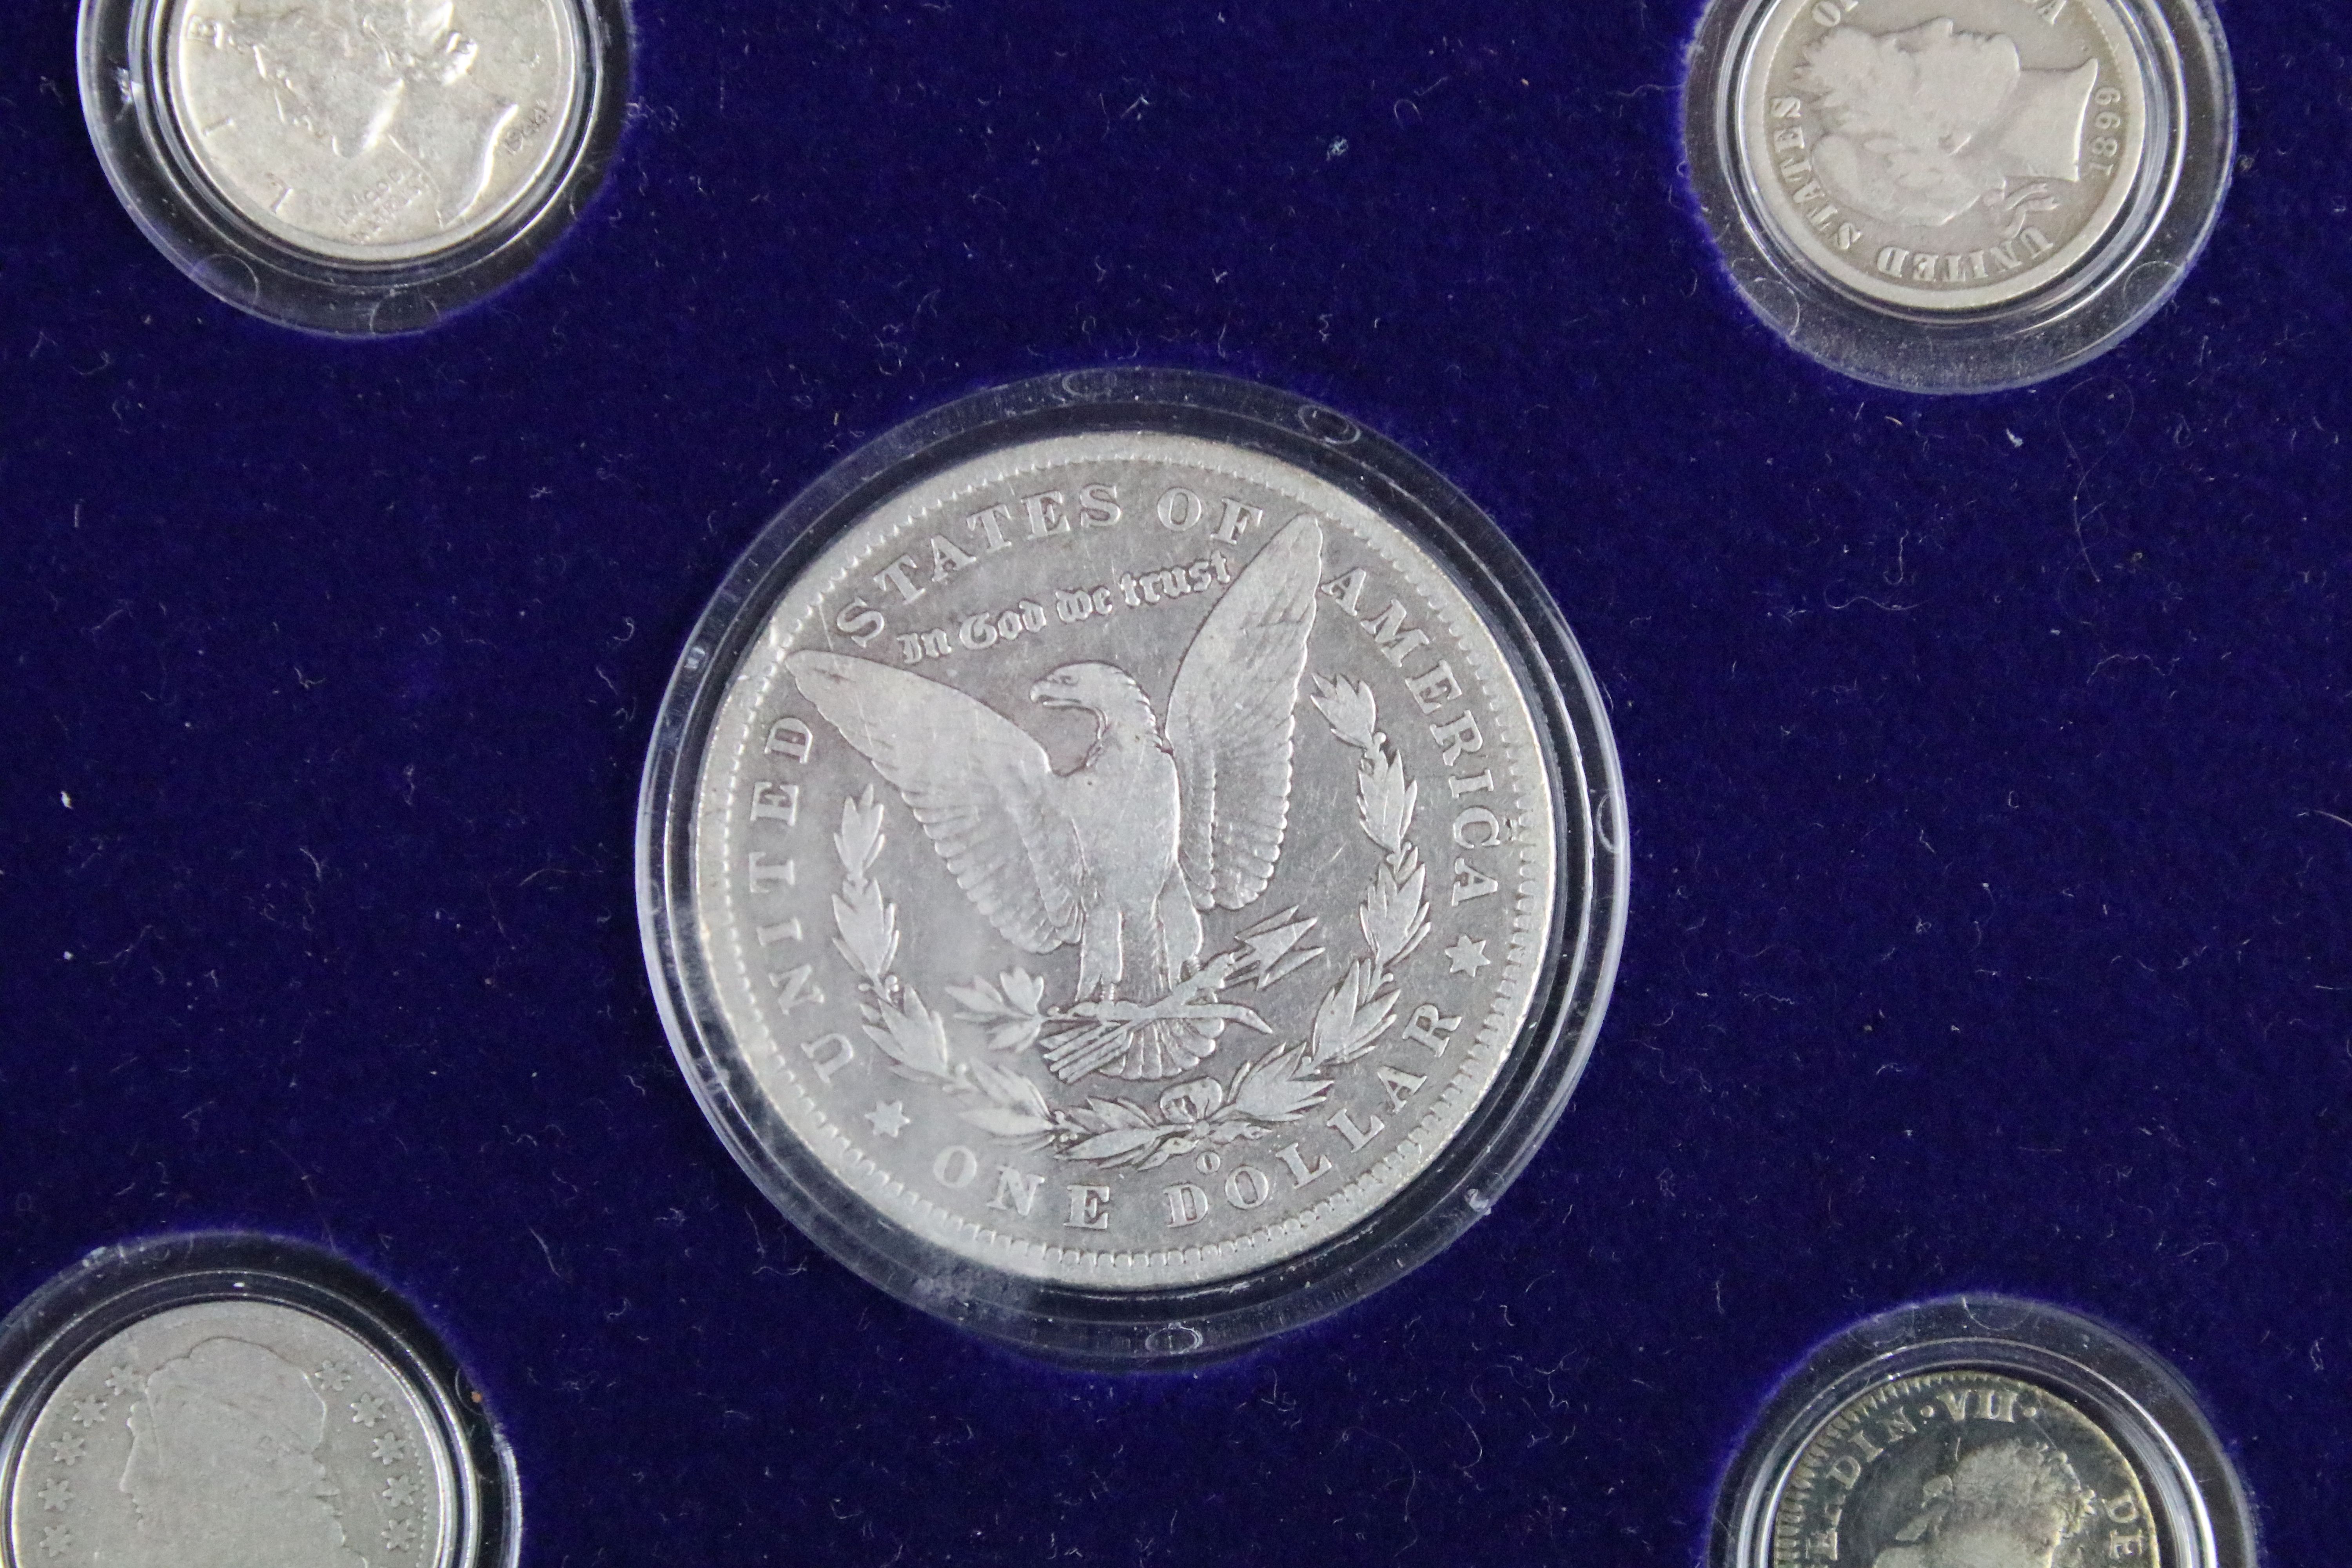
[[1230, 720], [982, 788]]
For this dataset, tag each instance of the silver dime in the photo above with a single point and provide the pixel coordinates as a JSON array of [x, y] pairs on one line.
[[1124, 861], [231, 1433], [1942, 155], [372, 131], [1962, 1468]]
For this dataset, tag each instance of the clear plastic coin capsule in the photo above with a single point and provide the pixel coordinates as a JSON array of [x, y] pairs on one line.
[[352, 166], [1957, 196], [226, 1400], [1982, 1432], [1131, 862]]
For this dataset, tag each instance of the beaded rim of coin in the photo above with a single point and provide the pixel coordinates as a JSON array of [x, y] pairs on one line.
[[1815, 244], [1835, 1470], [340, 248], [223, 1293], [1074, 1304]]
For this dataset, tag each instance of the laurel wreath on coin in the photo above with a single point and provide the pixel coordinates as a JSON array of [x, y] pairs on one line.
[[1262, 1095]]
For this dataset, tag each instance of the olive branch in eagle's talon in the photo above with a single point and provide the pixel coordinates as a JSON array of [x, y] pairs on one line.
[[1089, 1035]]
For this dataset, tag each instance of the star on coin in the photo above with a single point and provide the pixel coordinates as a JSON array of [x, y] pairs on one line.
[[889, 1119], [1466, 957], [368, 1409], [399, 1492], [119, 1379], [57, 1496], [87, 1411], [333, 1375], [55, 1539], [389, 1449], [68, 1449], [399, 1534]]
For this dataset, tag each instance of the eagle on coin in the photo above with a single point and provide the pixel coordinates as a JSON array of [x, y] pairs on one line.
[[1162, 819]]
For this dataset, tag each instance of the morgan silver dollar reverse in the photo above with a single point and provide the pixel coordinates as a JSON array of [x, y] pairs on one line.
[[1983, 1432], [356, 165], [1130, 862], [228, 1402], [1963, 176]]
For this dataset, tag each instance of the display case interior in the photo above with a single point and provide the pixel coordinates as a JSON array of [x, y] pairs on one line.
[[1989, 914]]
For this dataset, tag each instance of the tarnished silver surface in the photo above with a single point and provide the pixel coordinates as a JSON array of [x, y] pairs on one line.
[[1961, 1470], [231, 1435], [371, 130], [1125, 860], [1941, 154]]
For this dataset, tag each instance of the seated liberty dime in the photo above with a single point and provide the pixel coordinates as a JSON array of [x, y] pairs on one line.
[[1124, 861]]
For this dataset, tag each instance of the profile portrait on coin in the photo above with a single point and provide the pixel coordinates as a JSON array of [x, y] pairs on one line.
[[389, 89], [2012, 1505], [224, 1470], [1929, 122]]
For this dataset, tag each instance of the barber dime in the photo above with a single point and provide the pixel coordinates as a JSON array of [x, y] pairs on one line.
[[1124, 860], [1961, 1470], [1942, 155], [231, 1435], [372, 131]]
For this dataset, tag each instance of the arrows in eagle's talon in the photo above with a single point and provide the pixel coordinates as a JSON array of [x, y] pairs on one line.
[[1109, 1012], [1270, 950]]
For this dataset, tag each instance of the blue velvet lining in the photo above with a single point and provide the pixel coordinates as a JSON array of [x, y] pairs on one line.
[[1988, 763]]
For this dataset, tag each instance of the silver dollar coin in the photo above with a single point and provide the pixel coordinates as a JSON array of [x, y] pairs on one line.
[[1126, 860], [372, 131], [1961, 1470], [1942, 155], [231, 1435]]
